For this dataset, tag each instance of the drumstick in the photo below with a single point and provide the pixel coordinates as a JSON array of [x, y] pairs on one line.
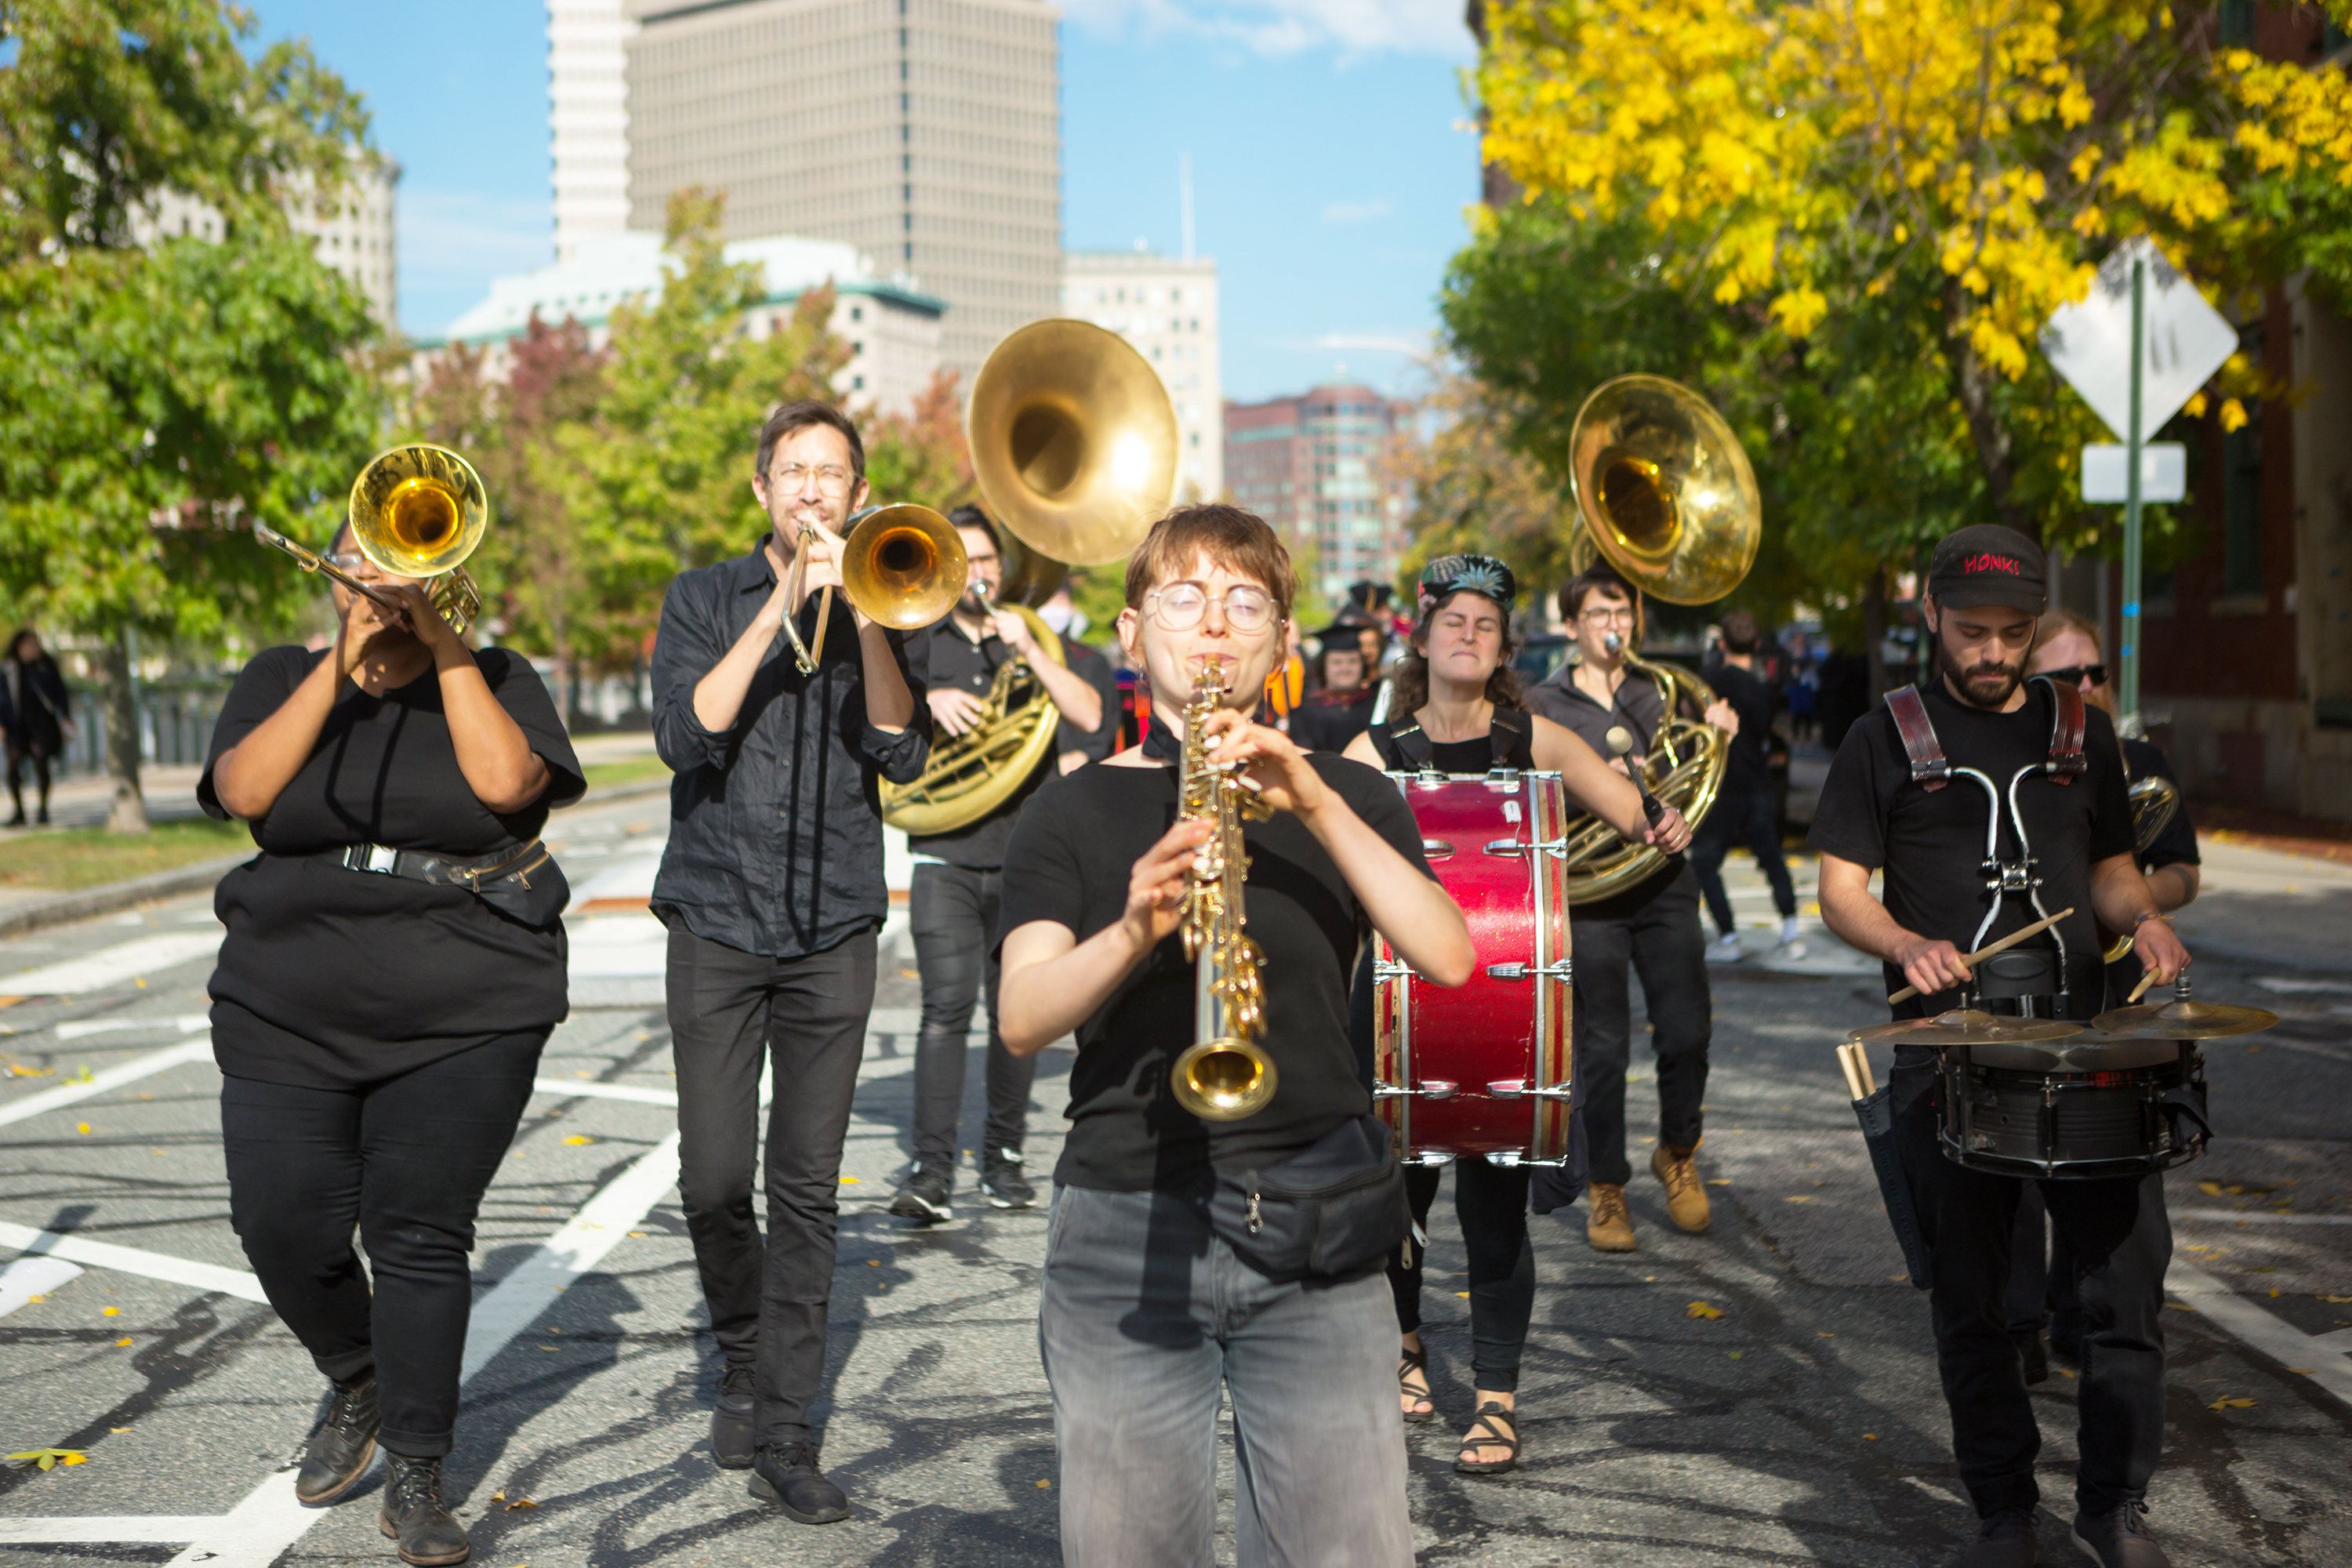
[[2003, 945], [1855, 1063], [2140, 990]]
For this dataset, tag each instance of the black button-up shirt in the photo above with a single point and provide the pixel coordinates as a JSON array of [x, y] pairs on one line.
[[775, 838], [949, 657]]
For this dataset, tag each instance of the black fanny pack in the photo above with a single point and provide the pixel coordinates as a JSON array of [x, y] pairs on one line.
[[525, 882], [1331, 1211]]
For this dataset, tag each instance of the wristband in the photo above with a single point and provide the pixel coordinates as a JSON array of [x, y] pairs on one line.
[[2146, 916]]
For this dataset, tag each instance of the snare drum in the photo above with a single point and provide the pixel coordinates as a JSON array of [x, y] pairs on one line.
[[1483, 1068], [2078, 1110]]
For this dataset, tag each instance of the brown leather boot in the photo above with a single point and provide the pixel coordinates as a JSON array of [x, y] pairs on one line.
[[1685, 1194], [1608, 1227]]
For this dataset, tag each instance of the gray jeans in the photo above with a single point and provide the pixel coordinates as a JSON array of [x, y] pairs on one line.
[[1144, 1315]]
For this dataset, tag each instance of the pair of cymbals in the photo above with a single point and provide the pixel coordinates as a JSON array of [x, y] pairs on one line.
[[2177, 1020], [2184, 1019]]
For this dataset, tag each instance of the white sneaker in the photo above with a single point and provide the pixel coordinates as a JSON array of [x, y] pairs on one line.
[[1726, 949], [1793, 948]]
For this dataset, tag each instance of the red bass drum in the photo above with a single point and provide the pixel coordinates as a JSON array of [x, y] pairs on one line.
[[1483, 1068]]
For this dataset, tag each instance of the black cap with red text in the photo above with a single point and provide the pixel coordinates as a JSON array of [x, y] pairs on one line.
[[1986, 564]]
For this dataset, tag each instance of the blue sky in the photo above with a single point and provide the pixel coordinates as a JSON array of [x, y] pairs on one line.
[[1330, 166]]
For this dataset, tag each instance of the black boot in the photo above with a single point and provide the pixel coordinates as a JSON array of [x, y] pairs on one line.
[[338, 1451], [731, 1418], [786, 1474], [414, 1515]]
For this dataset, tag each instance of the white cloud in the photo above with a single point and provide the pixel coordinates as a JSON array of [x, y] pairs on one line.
[[1356, 212], [452, 243], [1278, 27], [1414, 346]]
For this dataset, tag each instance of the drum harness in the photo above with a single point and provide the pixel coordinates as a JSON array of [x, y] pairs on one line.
[[1932, 770]]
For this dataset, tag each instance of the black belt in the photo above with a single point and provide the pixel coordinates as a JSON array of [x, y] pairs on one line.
[[504, 880]]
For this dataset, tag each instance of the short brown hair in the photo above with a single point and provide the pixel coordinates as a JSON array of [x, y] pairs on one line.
[[1740, 632], [1240, 542], [799, 415], [1601, 575]]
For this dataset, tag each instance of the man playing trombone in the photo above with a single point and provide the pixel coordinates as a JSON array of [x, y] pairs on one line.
[[772, 887], [952, 906]]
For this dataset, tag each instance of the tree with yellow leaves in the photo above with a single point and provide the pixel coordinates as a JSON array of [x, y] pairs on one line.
[[1972, 159]]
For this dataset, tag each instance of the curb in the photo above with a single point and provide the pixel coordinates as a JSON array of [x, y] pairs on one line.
[[108, 898]]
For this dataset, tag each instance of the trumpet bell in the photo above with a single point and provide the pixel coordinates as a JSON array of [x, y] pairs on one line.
[[905, 565], [1664, 490], [418, 511], [1073, 440], [1223, 1080]]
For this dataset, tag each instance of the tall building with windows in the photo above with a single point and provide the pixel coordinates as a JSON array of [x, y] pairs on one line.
[[359, 238], [588, 119], [1315, 466], [1168, 309], [927, 133]]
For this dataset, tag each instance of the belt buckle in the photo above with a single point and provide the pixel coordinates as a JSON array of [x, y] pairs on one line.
[[379, 858]]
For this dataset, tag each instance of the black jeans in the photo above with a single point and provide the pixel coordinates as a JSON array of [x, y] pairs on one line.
[[1656, 928], [2116, 1242], [952, 913], [1752, 822], [406, 1160], [1491, 1202], [39, 757], [727, 1010]]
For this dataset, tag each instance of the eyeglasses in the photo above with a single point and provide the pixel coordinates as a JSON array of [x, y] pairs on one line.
[[2075, 674], [1178, 606], [832, 479], [347, 560], [1621, 615]]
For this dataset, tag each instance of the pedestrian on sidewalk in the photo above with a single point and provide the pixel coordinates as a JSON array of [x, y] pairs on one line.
[[1746, 810], [35, 717], [392, 966]]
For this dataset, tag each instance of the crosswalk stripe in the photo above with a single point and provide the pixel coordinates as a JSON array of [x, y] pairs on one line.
[[148, 1065], [130, 1260], [112, 965]]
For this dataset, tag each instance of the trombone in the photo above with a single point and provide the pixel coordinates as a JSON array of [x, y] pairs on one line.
[[902, 566], [419, 511]]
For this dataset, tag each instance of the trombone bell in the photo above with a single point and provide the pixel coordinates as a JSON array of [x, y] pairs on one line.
[[905, 565], [418, 511]]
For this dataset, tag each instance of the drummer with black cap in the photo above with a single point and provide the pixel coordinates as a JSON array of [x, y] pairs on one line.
[[1909, 794]]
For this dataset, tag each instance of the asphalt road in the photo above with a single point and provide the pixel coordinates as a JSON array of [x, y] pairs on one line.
[[1802, 1425]]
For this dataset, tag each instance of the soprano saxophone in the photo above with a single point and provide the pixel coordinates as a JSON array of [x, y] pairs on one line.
[[1226, 1074]]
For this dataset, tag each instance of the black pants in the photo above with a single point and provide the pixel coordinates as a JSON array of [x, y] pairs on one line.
[[39, 757], [2117, 1243], [1656, 928], [1748, 821], [406, 1160], [806, 1016], [952, 912], [1491, 1202]]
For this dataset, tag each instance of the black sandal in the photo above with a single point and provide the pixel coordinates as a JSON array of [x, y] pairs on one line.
[[1491, 1438], [1411, 1362]]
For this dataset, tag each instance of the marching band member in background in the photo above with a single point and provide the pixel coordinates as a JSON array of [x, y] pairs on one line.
[[1652, 926], [1744, 811], [1460, 711], [1152, 1299], [1884, 807], [772, 890], [952, 907], [1346, 685], [394, 964]]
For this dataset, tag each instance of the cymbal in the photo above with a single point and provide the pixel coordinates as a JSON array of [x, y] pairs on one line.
[[1966, 1026], [2182, 1019]]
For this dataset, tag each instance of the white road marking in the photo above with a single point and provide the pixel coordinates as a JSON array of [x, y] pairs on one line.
[[2264, 1330], [187, 1023], [606, 1091], [112, 965], [112, 1078], [93, 1529], [32, 1276], [130, 1260], [2263, 1216]]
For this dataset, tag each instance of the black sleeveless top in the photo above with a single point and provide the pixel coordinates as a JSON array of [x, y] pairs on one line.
[[1508, 742]]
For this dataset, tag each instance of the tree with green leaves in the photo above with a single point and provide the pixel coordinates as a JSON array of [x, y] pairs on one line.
[[155, 399]]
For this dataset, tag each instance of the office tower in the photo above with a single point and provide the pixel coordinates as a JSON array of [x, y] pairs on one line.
[[1168, 310], [588, 122], [1316, 466]]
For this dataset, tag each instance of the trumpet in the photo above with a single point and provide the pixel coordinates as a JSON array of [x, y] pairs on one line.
[[1224, 1075], [417, 510], [902, 566]]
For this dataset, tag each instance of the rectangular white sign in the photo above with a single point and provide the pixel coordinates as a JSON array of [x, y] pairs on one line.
[[2163, 472]]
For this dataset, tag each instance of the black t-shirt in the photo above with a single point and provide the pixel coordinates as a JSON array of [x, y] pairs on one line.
[[1745, 770], [1324, 723], [2176, 842], [355, 974], [949, 660], [1931, 844], [1069, 862]]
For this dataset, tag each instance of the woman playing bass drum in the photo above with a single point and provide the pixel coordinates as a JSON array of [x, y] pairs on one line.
[[1457, 699]]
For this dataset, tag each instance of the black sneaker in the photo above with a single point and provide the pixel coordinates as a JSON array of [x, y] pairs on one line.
[[2004, 1541], [1001, 1181], [416, 1516], [340, 1450], [924, 1199], [2119, 1540], [787, 1476], [731, 1418], [2033, 1356]]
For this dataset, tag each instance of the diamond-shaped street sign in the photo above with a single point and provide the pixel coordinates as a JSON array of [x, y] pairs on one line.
[[2090, 344]]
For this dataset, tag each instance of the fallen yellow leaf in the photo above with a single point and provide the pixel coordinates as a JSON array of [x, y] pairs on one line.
[[1870, 1436], [1464, 1294], [1718, 1181], [120, 1342], [640, 1233], [2210, 1189], [499, 1495], [1703, 1310], [1733, 1354], [81, 1127], [577, 1139], [1045, 1486], [1824, 1334], [118, 1428], [520, 1502], [2231, 1402], [47, 1459], [109, 1312], [1798, 1198], [21, 1070], [848, 1181]]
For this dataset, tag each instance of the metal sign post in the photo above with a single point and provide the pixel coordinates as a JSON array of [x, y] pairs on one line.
[[2132, 571]]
